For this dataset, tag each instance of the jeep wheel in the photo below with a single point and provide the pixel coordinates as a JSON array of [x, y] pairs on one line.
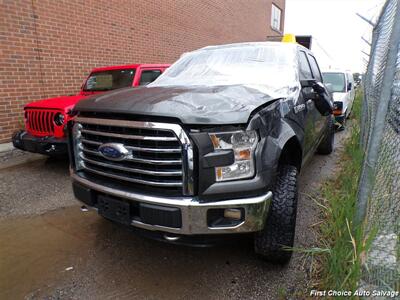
[[326, 145], [280, 225]]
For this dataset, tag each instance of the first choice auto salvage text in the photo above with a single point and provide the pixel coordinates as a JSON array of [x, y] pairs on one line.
[[359, 293]]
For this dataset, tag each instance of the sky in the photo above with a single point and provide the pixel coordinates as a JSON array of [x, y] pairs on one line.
[[336, 29]]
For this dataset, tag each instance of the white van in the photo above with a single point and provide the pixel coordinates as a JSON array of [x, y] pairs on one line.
[[341, 84]]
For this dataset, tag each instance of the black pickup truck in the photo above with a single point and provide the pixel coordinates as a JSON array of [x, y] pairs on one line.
[[213, 147]]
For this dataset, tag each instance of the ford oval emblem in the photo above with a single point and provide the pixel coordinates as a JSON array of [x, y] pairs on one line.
[[113, 151]]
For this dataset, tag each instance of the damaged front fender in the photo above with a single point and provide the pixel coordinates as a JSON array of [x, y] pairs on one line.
[[275, 128]]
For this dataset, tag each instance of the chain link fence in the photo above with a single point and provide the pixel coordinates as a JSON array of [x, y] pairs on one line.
[[379, 191]]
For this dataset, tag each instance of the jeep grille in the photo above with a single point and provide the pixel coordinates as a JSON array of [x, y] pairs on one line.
[[40, 122]]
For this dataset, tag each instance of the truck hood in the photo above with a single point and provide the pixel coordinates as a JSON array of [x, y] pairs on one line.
[[192, 105], [63, 103]]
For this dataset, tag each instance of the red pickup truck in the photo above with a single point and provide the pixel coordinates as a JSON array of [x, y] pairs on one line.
[[45, 120]]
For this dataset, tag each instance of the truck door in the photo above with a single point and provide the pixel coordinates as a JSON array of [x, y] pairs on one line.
[[319, 120], [309, 107]]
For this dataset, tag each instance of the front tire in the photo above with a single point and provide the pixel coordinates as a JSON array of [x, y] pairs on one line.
[[279, 230], [326, 145]]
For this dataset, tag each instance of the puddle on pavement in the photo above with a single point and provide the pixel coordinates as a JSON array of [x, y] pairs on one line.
[[108, 261], [37, 250]]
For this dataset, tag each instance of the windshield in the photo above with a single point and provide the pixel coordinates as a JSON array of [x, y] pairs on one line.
[[109, 80], [260, 65], [337, 80]]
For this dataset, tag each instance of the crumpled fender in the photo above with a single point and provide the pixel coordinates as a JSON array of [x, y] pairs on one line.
[[275, 128]]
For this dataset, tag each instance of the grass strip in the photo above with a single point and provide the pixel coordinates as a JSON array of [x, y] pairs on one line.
[[345, 246]]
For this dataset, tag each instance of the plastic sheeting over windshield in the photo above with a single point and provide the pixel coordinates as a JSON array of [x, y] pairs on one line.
[[270, 68]]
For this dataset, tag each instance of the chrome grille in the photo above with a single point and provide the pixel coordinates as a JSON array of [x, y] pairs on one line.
[[157, 152]]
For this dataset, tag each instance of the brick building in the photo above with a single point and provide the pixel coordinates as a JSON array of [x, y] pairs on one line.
[[47, 47]]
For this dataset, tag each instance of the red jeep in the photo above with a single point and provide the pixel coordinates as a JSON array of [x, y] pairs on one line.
[[45, 119]]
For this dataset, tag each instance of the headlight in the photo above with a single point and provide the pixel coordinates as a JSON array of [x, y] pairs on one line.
[[59, 119], [337, 108], [243, 144], [76, 140]]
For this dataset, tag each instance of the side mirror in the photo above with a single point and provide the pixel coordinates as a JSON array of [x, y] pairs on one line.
[[349, 86], [318, 92], [309, 83], [307, 87], [323, 102]]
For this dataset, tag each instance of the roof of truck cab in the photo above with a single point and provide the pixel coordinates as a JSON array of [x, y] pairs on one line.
[[253, 44], [131, 66], [336, 71]]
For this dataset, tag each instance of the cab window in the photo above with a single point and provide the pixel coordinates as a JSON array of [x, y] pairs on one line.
[[305, 70], [149, 76], [315, 68], [109, 80]]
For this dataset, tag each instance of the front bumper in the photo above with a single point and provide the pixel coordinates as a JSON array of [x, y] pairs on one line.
[[44, 145], [194, 216]]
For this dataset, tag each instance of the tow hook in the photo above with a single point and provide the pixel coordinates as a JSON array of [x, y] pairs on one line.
[[171, 238], [51, 149]]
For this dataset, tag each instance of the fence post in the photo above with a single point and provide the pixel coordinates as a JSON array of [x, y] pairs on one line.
[[367, 80], [371, 158]]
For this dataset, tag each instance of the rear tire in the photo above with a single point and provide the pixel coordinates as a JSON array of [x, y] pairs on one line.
[[326, 145], [279, 230]]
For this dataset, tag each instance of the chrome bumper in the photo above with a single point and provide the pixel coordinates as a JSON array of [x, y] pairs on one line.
[[194, 213]]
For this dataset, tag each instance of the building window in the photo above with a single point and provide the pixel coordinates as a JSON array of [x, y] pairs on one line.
[[276, 18]]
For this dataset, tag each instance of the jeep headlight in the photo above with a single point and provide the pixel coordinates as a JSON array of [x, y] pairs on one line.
[[59, 119], [243, 144]]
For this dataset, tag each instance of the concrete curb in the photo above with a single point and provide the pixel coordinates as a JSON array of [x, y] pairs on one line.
[[6, 147], [11, 157]]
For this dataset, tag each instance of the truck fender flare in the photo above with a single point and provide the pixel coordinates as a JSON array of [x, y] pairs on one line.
[[269, 154], [285, 135], [289, 147]]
